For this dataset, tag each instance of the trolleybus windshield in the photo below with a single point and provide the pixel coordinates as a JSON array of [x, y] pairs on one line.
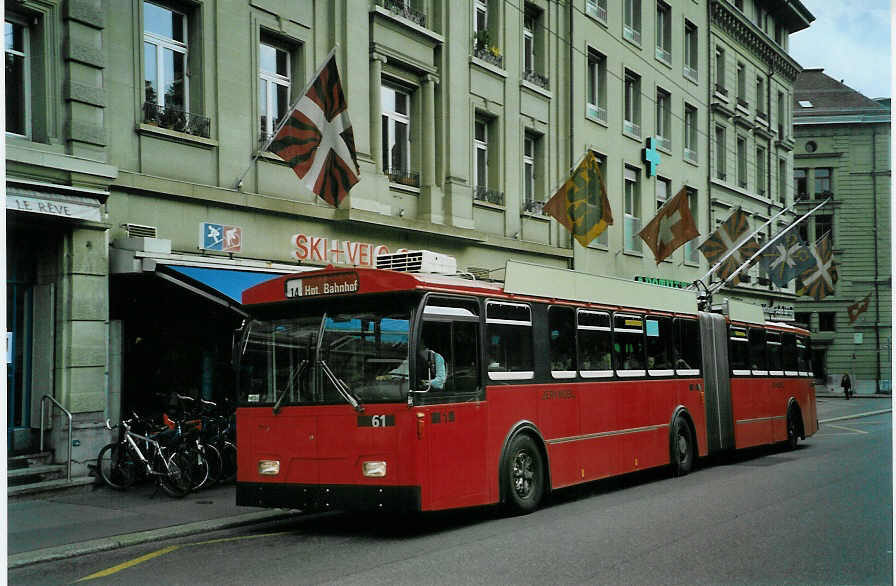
[[283, 361]]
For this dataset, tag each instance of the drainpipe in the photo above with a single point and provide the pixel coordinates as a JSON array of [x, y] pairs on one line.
[[876, 273], [572, 105]]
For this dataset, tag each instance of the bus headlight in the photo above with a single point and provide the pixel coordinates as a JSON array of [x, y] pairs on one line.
[[374, 469], [269, 467]]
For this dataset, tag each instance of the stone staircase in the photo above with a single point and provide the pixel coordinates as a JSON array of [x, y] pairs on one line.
[[30, 475]]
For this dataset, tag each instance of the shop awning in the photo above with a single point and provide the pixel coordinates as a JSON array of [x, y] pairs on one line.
[[72, 205]]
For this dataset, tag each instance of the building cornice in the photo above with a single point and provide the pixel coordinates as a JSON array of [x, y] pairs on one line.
[[732, 21]]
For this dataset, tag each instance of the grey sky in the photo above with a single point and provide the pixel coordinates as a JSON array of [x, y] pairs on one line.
[[851, 41]]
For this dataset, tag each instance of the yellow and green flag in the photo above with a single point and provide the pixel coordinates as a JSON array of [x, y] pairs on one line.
[[581, 204]]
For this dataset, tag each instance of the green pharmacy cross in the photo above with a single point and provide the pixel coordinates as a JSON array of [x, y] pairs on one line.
[[651, 156]]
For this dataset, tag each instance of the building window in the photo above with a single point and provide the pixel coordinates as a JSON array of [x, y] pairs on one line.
[[742, 162], [720, 72], [273, 87], [597, 86], [663, 187], [800, 184], [631, 23], [484, 24], [803, 319], [396, 130], [691, 53], [742, 85], [531, 147], [760, 170], [533, 48], [604, 238], [480, 153], [663, 119], [779, 34], [782, 180], [690, 133], [597, 9], [824, 225], [823, 182], [760, 97], [721, 152], [691, 252], [739, 4], [632, 120], [528, 42], [826, 321], [165, 47], [632, 211], [782, 120], [664, 32], [18, 78]]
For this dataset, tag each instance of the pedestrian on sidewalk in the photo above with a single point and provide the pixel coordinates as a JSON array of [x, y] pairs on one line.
[[846, 383]]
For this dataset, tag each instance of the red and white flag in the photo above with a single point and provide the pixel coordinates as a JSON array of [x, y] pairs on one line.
[[858, 308], [672, 226], [317, 139]]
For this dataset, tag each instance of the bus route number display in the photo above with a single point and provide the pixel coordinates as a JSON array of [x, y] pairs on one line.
[[339, 284]]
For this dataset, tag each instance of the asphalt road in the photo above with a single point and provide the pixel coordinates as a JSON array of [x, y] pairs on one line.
[[821, 514]]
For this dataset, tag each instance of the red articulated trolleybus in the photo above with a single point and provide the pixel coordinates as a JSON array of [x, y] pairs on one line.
[[373, 389]]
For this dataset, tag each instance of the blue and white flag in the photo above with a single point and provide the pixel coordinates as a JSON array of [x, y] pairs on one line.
[[786, 258]]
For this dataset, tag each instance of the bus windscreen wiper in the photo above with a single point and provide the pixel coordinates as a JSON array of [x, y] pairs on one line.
[[295, 375], [340, 386]]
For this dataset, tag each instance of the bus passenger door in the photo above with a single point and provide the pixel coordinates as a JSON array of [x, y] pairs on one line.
[[454, 416]]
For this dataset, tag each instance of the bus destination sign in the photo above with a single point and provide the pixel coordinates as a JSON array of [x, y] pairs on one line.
[[338, 284]]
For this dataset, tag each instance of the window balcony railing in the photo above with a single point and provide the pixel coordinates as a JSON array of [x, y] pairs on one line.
[[743, 103], [663, 142], [632, 128], [664, 55], [534, 207], [538, 79], [403, 9], [176, 119], [482, 193], [489, 55], [690, 155], [721, 90], [631, 34], [402, 177], [596, 10], [598, 112], [690, 72]]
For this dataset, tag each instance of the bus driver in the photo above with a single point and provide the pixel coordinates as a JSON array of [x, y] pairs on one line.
[[433, 365]]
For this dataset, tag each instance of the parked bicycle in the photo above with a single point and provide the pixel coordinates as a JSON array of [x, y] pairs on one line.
[[119, 463]]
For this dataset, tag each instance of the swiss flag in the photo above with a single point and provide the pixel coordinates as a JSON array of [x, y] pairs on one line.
[[672, 226]]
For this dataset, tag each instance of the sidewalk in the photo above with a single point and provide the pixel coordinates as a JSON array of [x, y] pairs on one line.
[[98, 519]]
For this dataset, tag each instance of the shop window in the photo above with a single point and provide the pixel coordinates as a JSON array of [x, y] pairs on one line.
[[562, 343], [758, 362], [595, 344], [509, 341], [659, 345], [628, 344], [738, 351], [687, 347]]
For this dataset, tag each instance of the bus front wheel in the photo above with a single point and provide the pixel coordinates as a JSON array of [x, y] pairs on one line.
[[524, 474], [682, 447]]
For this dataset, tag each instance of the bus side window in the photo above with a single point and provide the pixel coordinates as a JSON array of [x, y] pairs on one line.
[[739, 351], [509, 339], [628, 344], [773, 347], [687, 347], [562, 343], [595, 341], [804, 356], [791, 362], [659, 345], [758, 362]]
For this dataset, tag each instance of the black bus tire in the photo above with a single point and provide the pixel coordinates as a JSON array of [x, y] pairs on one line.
[[682, 447], [793, 428], [524, 474]]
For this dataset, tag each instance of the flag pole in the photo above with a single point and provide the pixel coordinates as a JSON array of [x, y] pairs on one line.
[[715, 287], [239, 182]]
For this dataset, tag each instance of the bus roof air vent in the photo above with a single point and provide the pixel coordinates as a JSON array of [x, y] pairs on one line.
[[418, 261]]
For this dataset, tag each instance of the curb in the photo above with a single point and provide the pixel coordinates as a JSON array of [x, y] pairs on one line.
[[125, 540], [855, 416]]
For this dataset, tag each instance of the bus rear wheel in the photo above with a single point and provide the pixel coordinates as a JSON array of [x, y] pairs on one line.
[[682, 447], [793, 429], [524, 474]]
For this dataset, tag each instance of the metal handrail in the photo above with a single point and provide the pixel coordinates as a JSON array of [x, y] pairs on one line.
[[69, 415]]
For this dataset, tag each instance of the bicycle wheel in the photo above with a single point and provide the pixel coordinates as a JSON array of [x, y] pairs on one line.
[[228, 458], [215, 464], [115, 466], [177, 482], [198, 466]]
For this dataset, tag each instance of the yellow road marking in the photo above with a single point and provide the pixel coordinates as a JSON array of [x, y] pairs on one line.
[[169, 549], [848, 428]]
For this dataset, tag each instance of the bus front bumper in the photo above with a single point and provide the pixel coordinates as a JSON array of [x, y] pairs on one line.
[[325, 497]]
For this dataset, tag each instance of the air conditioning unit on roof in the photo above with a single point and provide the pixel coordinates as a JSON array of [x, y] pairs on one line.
[[418, 261]]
